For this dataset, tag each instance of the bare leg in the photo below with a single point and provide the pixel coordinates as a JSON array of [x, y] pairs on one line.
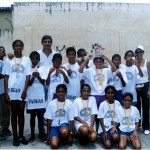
[[123, 141], [54, 142]]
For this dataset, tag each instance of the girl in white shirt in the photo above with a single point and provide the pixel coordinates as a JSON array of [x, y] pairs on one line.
[[107, 115], [128, 117], [59, 115], [17, 73], [84, 115]]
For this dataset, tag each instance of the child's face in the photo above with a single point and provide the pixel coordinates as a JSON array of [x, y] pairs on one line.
[[82, 54], [71, 56], [110, 94], [2, 54], [127, 102], [57, 63], [35, 60], [85, 92], [47, 43], [129, 58], [18, 48], [98, 63], [139, 54], [116, 61], [61, 93]]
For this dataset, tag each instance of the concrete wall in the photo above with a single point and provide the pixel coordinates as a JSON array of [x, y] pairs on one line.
[[116, 27]]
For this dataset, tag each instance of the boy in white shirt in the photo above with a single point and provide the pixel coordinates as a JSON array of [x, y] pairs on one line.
[[84, 115], [128, 117], [97, 76], [72, 68], [56, 76], [36, 96], [107, 115], [59, 115]]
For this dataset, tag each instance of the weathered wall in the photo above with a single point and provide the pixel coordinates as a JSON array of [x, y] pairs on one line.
[[117, 27]]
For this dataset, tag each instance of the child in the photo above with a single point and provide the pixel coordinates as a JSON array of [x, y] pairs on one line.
[[74, 75], [131, 74], [128, 117], [107, 116], [84, 115], [17, 73], [97, 76], [118, 78], [60, 118], [36, 96], [4, 108], [56, 76]]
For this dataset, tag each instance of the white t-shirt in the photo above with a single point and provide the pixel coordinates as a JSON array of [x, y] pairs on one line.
[[105, 113], [52, 112], [90, 75], [73, 87], [54, 81], [131, 74], [79, 110], [115, 80], [1, 80], [121, 118], [35, 92], [16, 81]]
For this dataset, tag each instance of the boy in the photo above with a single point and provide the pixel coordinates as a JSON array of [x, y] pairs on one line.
[[74, 76], [36, 96]]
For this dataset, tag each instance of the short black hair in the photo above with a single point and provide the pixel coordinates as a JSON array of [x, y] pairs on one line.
[[14, 43], [70, 49], [34, 53], [63, 86], [127, 94], [100, 58], [116, 56], [110, 87], [139, 49], [45, 37], [82, 86], [57, 56], [79, 51], [129, 51]]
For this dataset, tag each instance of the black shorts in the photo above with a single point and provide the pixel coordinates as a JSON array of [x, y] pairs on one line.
[[32, 111]]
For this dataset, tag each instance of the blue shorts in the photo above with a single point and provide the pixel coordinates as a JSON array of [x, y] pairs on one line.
[[109, 137], [56, 130], [126, 133]]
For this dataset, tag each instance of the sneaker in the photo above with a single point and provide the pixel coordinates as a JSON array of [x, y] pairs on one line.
[[6, 132], [23, 140], [146, 132], [2, 137], [16, 141]]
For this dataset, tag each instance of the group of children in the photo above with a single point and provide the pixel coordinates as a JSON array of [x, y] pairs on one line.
[[78, 97]]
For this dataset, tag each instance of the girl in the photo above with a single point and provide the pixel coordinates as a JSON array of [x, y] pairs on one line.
[[128, 117], [16, 81], [84, 115], [56, 76], [59, 115], [107, 116]]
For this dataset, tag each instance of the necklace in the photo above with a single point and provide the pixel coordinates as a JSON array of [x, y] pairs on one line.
[[85, 108], [112, 112], [100, 76], [18, 65], [127, 118]]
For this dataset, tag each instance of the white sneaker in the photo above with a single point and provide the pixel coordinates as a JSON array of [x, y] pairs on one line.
[[146, 132]]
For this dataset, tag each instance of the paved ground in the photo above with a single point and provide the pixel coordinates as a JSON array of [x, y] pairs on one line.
[[7, 144]]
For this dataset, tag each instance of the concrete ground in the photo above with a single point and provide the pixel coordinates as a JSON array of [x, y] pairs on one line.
[[7, 144]]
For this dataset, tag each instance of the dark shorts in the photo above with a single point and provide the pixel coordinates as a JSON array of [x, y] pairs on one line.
[[126, 133], [32, 111], [109, 137], [55, 131]]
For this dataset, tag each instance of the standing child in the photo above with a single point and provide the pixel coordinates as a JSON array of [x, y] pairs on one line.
[[56, 76], [107, 116], [84, 115], [36, 96], [128, 117], [59, 115], [17, 73], [97, 76], [118, 78], [72, 68]]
